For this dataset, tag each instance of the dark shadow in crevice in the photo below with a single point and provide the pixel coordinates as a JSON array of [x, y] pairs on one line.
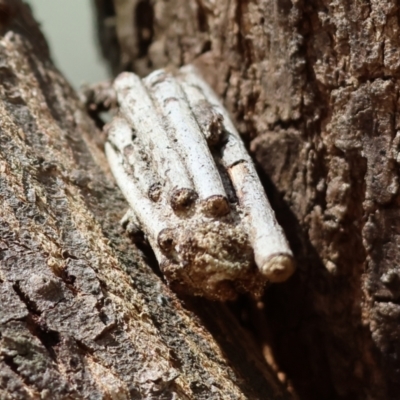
[[24, 298], [107, 35], [9, 361], [289, 320], [139, 240], [144, 20], [252, 374], [47, 337]]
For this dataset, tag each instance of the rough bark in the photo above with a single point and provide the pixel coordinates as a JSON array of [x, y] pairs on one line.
[[82, 312], [314, 88]]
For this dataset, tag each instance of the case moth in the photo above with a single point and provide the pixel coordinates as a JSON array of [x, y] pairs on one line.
[[192, 187]]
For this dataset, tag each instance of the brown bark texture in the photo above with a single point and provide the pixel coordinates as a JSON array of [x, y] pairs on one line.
[[314, 88], [83, 315]]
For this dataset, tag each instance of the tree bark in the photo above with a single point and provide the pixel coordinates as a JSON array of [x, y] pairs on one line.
[[314, 88], [83, 313]]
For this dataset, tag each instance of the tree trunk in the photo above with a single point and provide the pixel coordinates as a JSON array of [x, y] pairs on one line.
[[314, 88], [83, 313]]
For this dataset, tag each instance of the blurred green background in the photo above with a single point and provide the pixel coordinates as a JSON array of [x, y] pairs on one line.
[[69, 27]]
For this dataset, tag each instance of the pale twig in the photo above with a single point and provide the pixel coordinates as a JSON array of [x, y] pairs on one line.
[[119, 134], [151, 216]]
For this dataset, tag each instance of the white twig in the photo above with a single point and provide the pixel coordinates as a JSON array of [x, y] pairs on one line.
[[271, 251], [134, 159], [148, 213]]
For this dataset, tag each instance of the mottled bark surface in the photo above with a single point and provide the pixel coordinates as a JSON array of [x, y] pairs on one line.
[[82, 313], [314, 88]]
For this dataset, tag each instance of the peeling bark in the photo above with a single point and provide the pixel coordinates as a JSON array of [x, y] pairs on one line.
[[314, 89], [83, 314]]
